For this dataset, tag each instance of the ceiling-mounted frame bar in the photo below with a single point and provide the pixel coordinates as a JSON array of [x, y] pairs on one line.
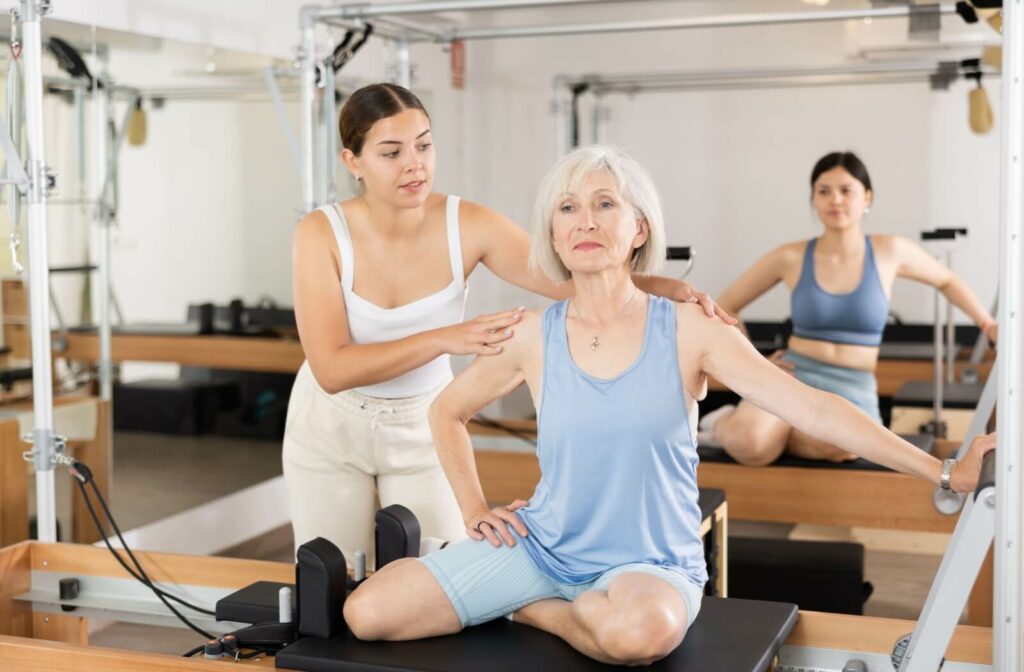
[[792, 83], [689, 23], [728, 80], [385, 32], [347, 16], [410, 28], [311, 15], [366, 10], [640, 82]]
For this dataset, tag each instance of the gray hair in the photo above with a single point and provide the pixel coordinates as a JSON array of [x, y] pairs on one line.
[[567, 177]]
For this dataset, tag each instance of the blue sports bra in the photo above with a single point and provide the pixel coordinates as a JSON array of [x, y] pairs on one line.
[[854, 318]]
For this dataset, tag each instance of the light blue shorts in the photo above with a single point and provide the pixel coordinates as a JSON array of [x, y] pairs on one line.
[[484, 583], [858, 387]]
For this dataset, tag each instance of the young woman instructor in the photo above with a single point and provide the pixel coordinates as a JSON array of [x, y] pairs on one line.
[[379, 290]]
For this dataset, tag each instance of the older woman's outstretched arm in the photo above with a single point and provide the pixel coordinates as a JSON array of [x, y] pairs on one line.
[[722, 352]]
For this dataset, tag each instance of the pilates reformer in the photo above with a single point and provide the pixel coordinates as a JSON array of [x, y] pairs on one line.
[[711, 642], [34, 573]]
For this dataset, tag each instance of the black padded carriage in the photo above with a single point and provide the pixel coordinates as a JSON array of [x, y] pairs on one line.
[[925, 442], [729, 634]]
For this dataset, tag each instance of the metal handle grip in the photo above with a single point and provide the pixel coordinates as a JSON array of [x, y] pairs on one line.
[[678, 252], [987, 479]]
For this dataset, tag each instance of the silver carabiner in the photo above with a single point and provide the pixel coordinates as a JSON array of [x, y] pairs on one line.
[[14, 245]]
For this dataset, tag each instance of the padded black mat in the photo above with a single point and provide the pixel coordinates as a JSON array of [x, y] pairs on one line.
[[914, 351], [888, 350], [954, 395], [12, 372], [729, 635], [925, 442], [709, 499]]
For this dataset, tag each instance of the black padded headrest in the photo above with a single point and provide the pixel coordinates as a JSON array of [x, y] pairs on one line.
[[709, 499]]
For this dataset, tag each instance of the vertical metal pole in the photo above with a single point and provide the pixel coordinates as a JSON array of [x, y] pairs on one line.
[[561, 107], [1008, 628], [937, 378], [329, 117], [38, 274], [981, 345], [320, 133], [105, 156], [596, 125], [950, 329], [79, 99], [15, 112], [270, 79], [403, 64], [307, 78]]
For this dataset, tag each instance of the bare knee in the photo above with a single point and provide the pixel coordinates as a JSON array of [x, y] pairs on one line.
[[400, 602], [362, 617], [754, 447], [366, 615], [362, 608], [648, 633]]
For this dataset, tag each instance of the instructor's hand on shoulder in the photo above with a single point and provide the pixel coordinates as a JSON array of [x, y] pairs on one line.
[[968, 470], [482, 335], [493, 525], [691, 295]]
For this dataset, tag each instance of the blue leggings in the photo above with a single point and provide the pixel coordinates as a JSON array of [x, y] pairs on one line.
[[483, 582], [856, 386]]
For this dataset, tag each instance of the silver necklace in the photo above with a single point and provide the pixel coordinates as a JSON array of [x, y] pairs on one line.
[[595, 342]]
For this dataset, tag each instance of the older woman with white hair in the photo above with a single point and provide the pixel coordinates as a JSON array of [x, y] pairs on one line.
[[607, 552]]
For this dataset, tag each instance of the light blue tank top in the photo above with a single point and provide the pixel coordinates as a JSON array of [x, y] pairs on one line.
[[855, 318], [618, 461]]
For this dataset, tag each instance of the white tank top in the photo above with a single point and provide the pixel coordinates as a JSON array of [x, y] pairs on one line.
[[369, 323]]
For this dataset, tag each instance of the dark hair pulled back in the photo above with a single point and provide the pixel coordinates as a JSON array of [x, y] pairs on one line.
[[846, 160], [369, 105]]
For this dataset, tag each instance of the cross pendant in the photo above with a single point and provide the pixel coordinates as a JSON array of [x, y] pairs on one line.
[[594, 343]]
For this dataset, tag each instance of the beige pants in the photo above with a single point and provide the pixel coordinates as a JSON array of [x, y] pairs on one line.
[[344, 452]]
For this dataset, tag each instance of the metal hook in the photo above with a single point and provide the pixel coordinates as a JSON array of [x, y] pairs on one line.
[[15, 34], [14, 245]]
